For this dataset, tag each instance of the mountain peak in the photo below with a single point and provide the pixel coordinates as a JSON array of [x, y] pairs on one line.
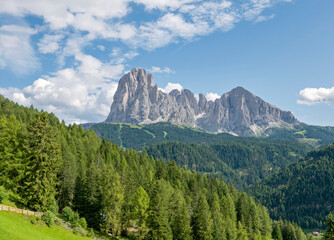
[[137, 100]]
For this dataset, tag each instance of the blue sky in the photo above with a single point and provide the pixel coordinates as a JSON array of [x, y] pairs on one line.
[[66, 56]]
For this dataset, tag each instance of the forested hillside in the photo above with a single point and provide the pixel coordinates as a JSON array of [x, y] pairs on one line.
[[139, 136], [242, 162], [302, 192], [121, 192]]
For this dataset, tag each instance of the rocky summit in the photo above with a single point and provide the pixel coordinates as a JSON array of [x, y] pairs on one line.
[[138, 100]]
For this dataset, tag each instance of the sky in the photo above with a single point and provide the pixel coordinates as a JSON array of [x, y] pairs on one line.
[[66, 56]]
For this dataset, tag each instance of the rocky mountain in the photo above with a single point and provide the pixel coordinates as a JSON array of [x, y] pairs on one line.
[[138, 100]]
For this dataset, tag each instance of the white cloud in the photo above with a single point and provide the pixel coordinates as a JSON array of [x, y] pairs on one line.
[[171, 86], [160, 70], [164, 4], [75, 94], [16, 53], [49, 43], [212, 96], [310, 96]]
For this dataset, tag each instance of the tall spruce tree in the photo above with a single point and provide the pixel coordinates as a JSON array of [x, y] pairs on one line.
[[329, 234], [158, 219], [42, 165], [180, 219], [202, 220], [277, 233], [112, 201], [140, 204], [11, 152]]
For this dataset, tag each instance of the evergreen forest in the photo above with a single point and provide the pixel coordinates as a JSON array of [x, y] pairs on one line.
[[46, 165]]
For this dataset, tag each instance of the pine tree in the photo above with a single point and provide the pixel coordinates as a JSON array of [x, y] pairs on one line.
[[218, 231], [140, 204], [11, 152], [181, 219], [329, 234], [242, 233], [202, 221], [42, 165], [158, 221], [112, 201], [277, 233]]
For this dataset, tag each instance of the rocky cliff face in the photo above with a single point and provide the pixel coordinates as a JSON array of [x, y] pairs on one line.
[[137, 100]]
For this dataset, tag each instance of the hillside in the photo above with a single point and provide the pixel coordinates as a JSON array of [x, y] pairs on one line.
[[139, 136], [302, 192], [239, 162], [119, 192]]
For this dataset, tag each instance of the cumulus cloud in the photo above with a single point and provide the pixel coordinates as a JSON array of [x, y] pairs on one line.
[[80, 94], [16, 53], [212, 96], [160, 70], [171, 86], [310, 96]]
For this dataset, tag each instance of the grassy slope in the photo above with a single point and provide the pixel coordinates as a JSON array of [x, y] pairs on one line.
[[19, 227]]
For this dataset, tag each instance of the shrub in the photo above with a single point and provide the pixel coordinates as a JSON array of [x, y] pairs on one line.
[[48, 218], [67, 214], [70, 216], [83, 223]]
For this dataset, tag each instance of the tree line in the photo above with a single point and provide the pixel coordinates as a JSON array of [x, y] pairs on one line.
[[51, 166]]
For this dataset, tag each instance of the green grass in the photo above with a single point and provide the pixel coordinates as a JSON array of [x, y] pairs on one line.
[[18, 227]]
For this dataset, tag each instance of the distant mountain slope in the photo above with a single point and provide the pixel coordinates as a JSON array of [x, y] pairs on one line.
[[138, 101], [139, 136], [239, 162], [302, 192]]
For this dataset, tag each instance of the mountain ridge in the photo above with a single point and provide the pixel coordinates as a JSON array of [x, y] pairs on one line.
[[239, 112]]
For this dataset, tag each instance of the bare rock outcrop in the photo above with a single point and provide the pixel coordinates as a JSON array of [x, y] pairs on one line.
[[138, 100]]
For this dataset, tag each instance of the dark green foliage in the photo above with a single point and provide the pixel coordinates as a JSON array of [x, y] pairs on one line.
[[202, 220], [41, 165], [139, 136], [180, 223], [329, 234], [301, 192], [48, 218], [239, 162], [158, 217], [277, 233], [118, 191]]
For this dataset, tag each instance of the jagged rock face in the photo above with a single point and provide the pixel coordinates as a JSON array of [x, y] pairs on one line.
[[138, 100]]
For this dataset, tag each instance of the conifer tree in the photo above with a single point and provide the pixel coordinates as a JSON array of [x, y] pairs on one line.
[[11, 152], [218, 231], [202, 220], [242, 233], [140, 204], [42, 164], [158, 221], [112, 201], [181, 219], [277, 233], [329, 234]]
